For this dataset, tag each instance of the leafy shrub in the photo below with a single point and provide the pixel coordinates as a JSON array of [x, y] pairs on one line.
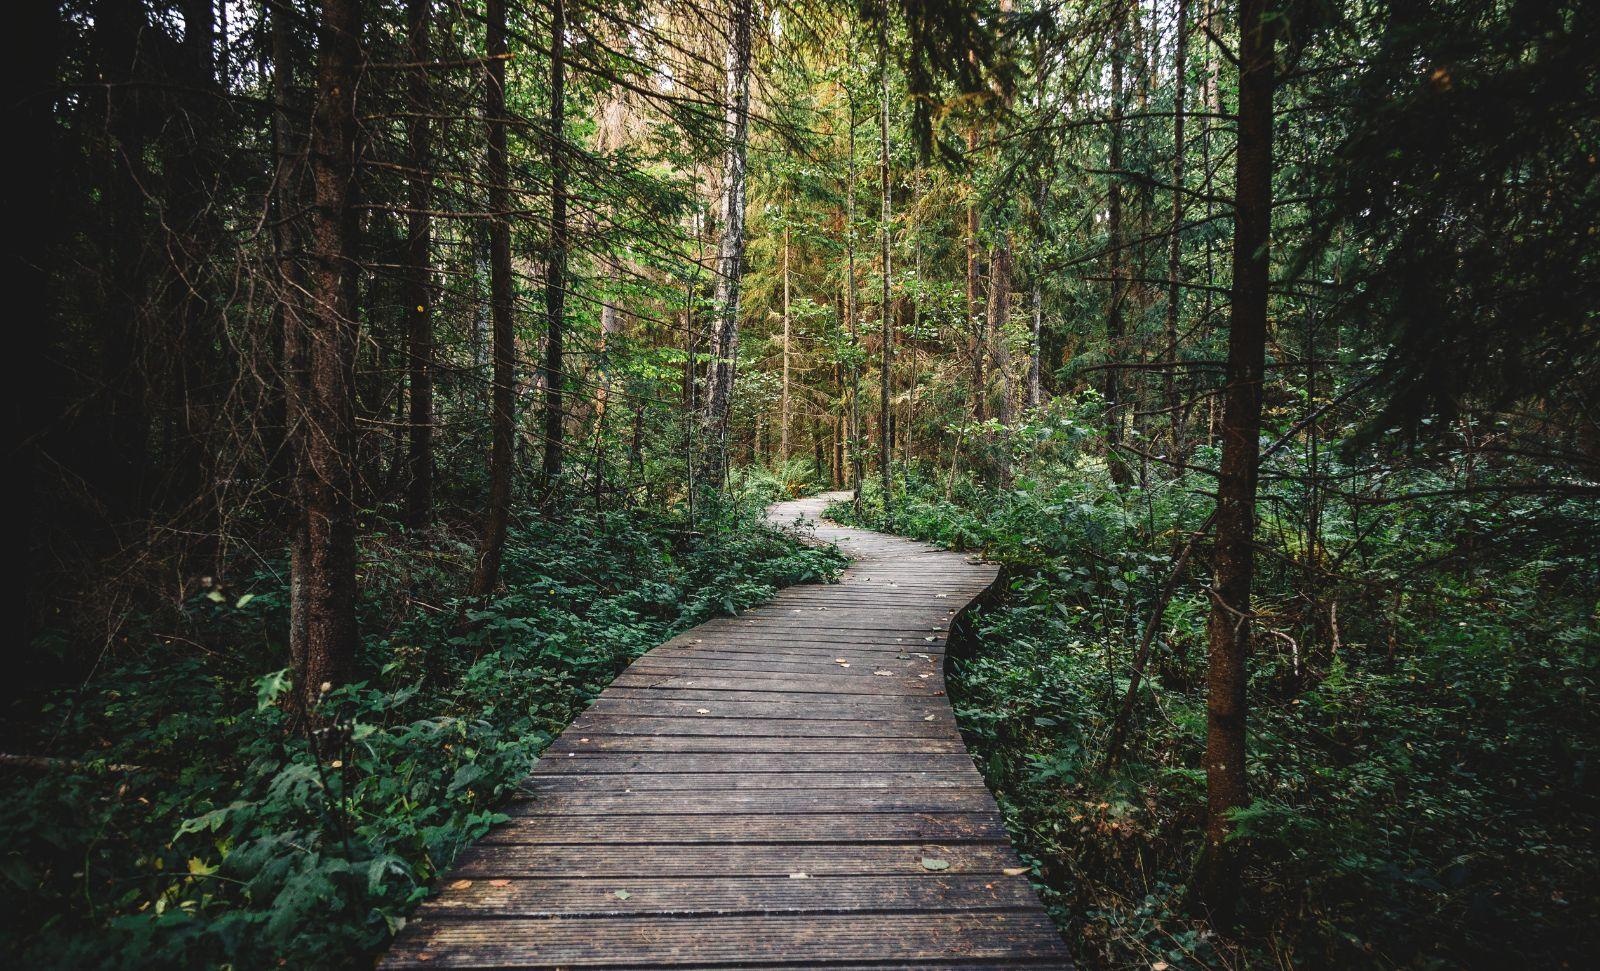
[[1422, 721], [192, 827]]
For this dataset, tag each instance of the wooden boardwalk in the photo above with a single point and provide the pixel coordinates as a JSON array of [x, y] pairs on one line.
[[781, 789]]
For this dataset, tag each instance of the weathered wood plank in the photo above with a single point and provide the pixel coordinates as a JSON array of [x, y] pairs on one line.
[[753, 860], [669, 942], [727, 828], [649, 802], [726, 896]]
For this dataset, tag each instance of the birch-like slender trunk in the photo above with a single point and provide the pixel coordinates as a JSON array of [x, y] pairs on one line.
[[783, 406], [730, 250]]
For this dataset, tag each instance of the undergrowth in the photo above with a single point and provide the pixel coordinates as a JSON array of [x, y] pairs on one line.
[[1422, 717], [179, 821]]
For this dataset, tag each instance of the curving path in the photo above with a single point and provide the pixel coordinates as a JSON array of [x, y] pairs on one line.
[[781, 789]]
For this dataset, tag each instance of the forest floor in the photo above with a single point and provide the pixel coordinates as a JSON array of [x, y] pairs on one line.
[[177, 820], [1421, 790]]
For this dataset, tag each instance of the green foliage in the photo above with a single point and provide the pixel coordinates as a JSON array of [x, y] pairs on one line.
[[236, 841], [1419, 741]]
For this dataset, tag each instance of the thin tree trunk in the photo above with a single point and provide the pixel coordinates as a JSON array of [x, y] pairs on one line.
[[1035, 386], [1217, 874], [1118, 259], [730, 250], [885, 320], [783, 408], [975, 322], [851, 297], [325, 432], [999, 316], [291, 284], [555, 280], [419, 270], [503, 407], [1174, 247]]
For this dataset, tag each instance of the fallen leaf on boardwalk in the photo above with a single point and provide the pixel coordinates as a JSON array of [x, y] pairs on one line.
[[930, 639], [941, 595], [424, 955], [622, 895], [1014, 871], [499, 883], [702, 711], [924, 675], [461, 885], [839, 660], [930, 718], [884, 674], [799, 876], [935, 864]]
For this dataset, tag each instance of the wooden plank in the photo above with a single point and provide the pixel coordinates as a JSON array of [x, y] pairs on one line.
[[708, 781], [956, 800], [909, 709], [729, 828], [586, 763], [665, 942], [726, 896], [752, 682], [488, 861], [755, 745], [789, 727]]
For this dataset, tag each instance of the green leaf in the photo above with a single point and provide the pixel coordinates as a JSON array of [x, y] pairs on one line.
[[270, 686]]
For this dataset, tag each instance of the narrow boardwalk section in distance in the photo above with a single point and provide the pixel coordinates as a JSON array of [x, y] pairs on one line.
[[781, 789]]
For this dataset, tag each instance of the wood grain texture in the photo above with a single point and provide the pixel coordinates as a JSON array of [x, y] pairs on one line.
[[782, 789]]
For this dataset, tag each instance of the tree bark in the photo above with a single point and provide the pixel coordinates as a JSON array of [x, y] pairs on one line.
[[1218, 871], [555, 282], [419, 270], [975, 322], [730, 250], [885, 318], [999, 316], [783, 407], [492, 545], [1174, 244], [325, 434], [1115, 327]]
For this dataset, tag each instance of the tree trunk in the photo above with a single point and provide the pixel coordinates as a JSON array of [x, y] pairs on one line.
[[555, 281], [325, 434], [419, 270], [852, 302], [730, 250], [999, 316], [885, 319], [1112, 386], [503, 406], [1217, 874], [1174, 247], [783, 407], [975, 323]]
